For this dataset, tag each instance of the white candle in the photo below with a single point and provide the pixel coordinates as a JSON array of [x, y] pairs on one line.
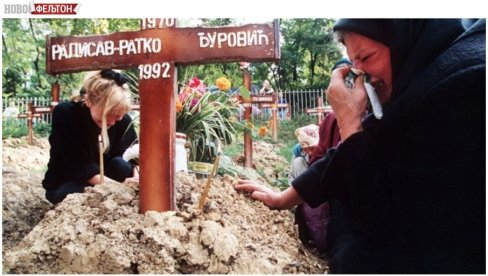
[[100, 144]]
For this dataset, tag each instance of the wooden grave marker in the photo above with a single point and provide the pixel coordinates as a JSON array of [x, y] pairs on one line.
[[247, 104], [30, 115], [319, 110], [156, 52], [269, 101], [274, 109], [38, 111]]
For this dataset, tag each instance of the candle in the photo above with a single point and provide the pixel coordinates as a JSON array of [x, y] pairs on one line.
[[100, 147]]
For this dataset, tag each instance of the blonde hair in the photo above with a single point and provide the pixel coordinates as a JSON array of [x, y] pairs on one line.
[[111, 94]]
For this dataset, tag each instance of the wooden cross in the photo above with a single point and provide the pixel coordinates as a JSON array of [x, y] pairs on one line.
[[268, 101], [37, 111], [34, 112], [155, 52], [274, 108], [247, 103], [319, 110]]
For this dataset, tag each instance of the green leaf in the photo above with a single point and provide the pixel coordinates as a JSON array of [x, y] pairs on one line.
[[244, 92]]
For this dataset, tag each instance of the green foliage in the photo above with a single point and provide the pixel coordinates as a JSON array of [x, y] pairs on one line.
[[207, 120], [288, 140], [287, 128], [42, 128], [286, 135], [281, 182], [287, 150], [236, 148], [308, 53], [244, 93], [13, 128], [16, 128], [133, 82], [284, 146]]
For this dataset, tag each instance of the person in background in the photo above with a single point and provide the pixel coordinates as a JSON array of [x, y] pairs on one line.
[[308, 138], [76, 126], [313, 223], [11, 111], [411, 185], [266, 89]]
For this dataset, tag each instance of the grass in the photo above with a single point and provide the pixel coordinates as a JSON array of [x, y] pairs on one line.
[[16, 128], [284, 145], [13, 128]]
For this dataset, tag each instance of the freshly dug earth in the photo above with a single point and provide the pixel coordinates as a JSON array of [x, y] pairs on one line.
[[101, 230]]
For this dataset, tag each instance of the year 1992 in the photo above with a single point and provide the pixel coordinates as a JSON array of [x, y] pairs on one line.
[[154, 71]]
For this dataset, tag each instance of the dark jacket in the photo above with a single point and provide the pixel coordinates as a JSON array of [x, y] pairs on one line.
[[74, 144], [413, 183]]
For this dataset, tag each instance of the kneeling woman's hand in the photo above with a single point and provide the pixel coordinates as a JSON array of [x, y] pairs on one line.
[[270, 198]]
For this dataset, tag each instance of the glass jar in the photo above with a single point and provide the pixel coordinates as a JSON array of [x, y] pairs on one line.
[[181, 160]]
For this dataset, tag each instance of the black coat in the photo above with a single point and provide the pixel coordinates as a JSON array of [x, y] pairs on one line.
[[74, 154], [413, 183]]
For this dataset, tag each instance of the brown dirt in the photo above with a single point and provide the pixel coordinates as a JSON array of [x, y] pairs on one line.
[[101, 230]]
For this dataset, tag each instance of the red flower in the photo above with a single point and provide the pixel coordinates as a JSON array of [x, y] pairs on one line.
[[194, 82], [195, 89]]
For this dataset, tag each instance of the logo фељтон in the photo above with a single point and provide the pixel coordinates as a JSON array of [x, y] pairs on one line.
[[42, 8]]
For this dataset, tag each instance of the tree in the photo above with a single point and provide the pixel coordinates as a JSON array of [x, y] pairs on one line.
[[308, 53]]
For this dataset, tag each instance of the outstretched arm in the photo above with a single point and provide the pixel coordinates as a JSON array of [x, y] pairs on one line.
[[271, 198]]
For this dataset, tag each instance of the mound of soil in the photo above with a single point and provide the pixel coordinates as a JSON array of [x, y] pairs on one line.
[[102, 231]]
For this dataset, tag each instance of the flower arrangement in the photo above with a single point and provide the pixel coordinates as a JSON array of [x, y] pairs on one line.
[[208, 118]]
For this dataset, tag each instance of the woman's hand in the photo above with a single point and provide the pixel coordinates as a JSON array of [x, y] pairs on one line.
[[94, 180], [270, 198], [349, 105], [135, 175]]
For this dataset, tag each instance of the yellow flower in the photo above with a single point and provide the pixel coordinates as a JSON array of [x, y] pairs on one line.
[[179, 106], [263, 131], [223, 84]]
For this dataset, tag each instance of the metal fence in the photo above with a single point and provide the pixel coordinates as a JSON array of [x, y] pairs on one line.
[[298, 100]]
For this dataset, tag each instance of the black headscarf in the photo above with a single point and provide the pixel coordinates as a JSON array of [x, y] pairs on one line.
[[413, 43]]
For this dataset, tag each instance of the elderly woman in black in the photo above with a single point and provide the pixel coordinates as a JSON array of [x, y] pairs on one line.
[[409, 188], [77, 125]]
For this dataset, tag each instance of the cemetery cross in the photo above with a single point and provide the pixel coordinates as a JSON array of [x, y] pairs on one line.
[[156, 52]]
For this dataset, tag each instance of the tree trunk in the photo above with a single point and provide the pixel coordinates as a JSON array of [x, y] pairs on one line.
[[36, 61], [313, 60]]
